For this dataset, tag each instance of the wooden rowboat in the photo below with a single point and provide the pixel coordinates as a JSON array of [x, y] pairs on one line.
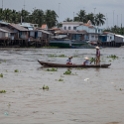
[[48, 64]]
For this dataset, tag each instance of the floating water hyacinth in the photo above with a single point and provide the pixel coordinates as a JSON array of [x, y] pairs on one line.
[[51, 69], [16, 71], [1, 75], [68, 72], [60, 80], [2, 91], [112, 56], [45, 87]]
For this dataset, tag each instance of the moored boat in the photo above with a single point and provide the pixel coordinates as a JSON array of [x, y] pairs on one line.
[[49, 64], [68, 39]]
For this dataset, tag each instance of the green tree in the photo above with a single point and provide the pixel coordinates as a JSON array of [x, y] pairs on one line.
[[90, 17], [37, 17], [99, 19], [81, 16], [7, 14], [50, 18], [68, 20], [1, 14]]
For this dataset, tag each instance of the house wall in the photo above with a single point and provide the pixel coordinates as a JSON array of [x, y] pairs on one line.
[[99, 31], [93, 37], [110, 37], [118, 39], [4, 35], [23, 35], [86, 28], [102, 38], [69, 27], [39, 34]]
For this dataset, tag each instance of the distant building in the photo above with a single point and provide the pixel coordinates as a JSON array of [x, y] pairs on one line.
[[70, 25], [92, 31], [44, 27], [4, 34], [29, 26]]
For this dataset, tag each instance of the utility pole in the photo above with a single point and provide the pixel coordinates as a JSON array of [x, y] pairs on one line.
[[94, 11], [73, 15], [117, 20], [2, 4], [113, 18], [106, 21], [59, 11], [24, 4], [121, 20]]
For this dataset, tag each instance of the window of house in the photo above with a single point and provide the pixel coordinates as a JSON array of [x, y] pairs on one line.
[[92, 36], [74, 28], [69, 28], [64, 28]]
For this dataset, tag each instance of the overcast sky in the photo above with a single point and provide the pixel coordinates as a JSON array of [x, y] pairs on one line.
[[68, 8]]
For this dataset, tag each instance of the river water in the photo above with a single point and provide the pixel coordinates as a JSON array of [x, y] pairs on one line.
[[87, 96]]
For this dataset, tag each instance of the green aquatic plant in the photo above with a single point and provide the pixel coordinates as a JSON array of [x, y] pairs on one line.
[[52, 69], [62, 55], [60, 80], [68, 72], [113, 57], [2, 91], [1, 75], [16, 70], [92, 60], [52, 55], [120, 89], [45, 87]]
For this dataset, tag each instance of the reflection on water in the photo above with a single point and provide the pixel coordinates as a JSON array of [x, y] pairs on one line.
[[88, 96]]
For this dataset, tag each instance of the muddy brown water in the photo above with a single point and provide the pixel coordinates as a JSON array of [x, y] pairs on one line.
[[88, 96]]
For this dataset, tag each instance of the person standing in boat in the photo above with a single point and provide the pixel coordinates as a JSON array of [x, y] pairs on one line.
[[86, 62], [97, 56], [69, 60]]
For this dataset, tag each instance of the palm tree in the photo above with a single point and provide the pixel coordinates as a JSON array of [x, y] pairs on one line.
[[81, 16], [7, 13], [68, 20], [1, 14], [14, 16], [99, 19], [50, 18], [90, 17], [37, 17]]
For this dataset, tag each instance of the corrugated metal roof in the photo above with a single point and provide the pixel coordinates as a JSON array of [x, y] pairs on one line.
[[108, 33], [46, 32], [117, 35], [7, 29], [5, 23], [4, 31], [18, 27]]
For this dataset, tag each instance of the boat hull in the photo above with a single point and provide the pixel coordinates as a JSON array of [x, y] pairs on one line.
[[66, 43], [47, 64]]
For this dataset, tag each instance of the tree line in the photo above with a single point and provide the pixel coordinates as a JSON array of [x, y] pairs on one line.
[[82, 16], [38, 16], [49, 17], [116, 29]]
